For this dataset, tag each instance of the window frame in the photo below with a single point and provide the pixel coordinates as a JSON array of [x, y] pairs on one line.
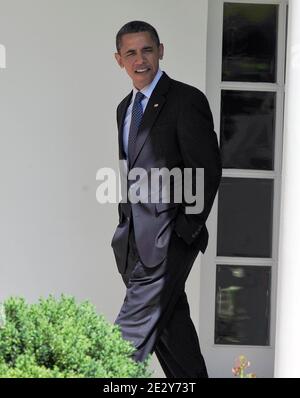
[[214, 86]]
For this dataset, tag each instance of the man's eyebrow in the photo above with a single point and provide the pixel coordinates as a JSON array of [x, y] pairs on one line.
[[131, 50]]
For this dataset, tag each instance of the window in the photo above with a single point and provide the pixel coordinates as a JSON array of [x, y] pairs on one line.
[[245, 88]]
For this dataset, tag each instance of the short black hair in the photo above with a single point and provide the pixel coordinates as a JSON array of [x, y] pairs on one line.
[[135, 27]]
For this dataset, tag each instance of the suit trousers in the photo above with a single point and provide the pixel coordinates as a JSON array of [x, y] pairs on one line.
[[155, 315]]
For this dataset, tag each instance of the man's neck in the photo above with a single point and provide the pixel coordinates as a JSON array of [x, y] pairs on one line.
[[145, 87]]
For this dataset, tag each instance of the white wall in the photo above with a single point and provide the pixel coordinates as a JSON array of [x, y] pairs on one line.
[[288, 315], [57, 128]]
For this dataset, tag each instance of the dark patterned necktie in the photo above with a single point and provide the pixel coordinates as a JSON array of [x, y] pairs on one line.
[[136, 118]]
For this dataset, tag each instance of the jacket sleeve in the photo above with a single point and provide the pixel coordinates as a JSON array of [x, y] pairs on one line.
[[199, 149]]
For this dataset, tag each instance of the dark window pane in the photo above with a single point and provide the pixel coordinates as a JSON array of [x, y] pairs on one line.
[[247, 129], [249, 42], [242, 314], [245, 210]]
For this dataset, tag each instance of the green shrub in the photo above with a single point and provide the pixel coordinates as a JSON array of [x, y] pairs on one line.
[[59, 338]]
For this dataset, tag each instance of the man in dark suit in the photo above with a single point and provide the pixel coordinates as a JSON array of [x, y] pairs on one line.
[[162, 123]]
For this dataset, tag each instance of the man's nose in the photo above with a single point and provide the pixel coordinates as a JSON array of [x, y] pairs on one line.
[[140, 58]]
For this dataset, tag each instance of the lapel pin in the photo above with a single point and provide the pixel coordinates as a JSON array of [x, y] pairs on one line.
[[155, 105]]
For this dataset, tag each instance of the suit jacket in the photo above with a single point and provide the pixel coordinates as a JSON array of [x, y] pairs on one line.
[[176, 131]]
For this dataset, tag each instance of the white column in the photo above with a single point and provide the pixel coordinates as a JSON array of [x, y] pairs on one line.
[[287, 349]]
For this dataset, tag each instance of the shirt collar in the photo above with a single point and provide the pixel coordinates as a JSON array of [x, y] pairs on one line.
[[147, 91]]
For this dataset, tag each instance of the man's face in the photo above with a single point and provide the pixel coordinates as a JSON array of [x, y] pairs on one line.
[[140, 56]]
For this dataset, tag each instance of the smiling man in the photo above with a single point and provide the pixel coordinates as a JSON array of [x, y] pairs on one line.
[[162, 123], [139, 53]]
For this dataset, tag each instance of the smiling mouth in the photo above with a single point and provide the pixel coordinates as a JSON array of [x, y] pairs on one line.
[[142, 70]]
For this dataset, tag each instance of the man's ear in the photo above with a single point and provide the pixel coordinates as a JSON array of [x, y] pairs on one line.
[[119, 60], [161, 51]]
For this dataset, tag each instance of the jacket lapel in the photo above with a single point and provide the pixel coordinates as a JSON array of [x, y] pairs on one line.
[[121, 117], [153, 108]]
